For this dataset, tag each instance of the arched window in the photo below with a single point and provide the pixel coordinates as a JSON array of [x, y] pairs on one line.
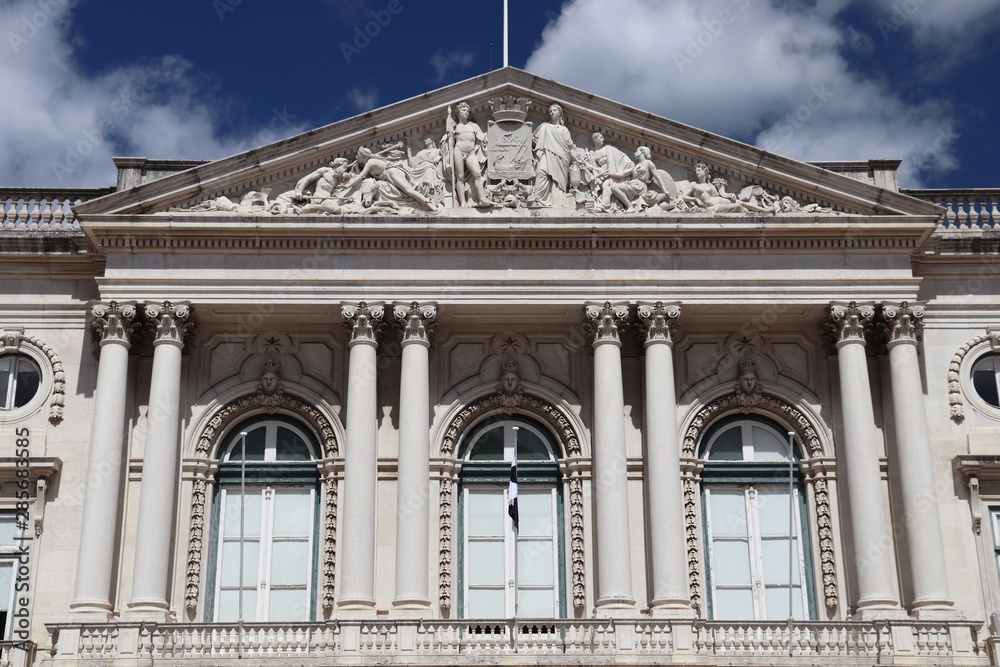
[[266, 500], [757, 559], [494, 561]]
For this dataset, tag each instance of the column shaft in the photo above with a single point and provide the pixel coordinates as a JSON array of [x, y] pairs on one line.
[[99, 523]]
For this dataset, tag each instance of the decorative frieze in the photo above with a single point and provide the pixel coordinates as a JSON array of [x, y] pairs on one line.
[[658, 320], [416, 321], [847, 322], [364, 321], [604, 320], [113, 321]]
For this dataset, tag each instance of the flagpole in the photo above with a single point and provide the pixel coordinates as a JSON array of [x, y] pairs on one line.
[[243, 496], [514, 517], [505, 63]]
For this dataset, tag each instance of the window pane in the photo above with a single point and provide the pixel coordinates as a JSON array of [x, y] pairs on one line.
[[536, 603], [489, 446], [288, 605], [767, 446], [254, 444], [28, 380], [732, 563], [728, 512], [230, 575], [290, 563], [290, 447], [732, 604], [5, 374], [251, 514], [774, 553], [772, 507], [530, 447], [534, 512], [535, 562], [6, 579], [984, 381], [9, 534], [728, 445], [293, 513], [777, 603], [486, 603], [485, 511], [485, 560], [229, 605]]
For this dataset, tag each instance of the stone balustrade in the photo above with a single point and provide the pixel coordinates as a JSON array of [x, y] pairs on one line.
[[43, 209], [591, 641], [16, 654], [973, 209]]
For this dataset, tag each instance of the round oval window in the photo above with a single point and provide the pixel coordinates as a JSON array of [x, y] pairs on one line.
[[20, 380], [986, 379]]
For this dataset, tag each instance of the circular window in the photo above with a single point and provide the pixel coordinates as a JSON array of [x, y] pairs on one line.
[[986, 379], [20, 380]]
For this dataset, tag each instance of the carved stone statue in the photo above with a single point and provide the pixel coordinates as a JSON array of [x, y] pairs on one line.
[[386, 170], [553, 151], [466, 146], [748, 392], [789, 205], [599, 167], [648, 186], [425, 168]]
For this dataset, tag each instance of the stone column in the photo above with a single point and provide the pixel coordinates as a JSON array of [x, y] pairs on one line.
[[913, 460], [160, 462], [872, 537], [112, 327], [357, 548], [413, 485], [664, 495], [610, 476]]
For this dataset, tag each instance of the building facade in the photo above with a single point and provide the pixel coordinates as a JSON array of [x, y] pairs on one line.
[[268, 407]]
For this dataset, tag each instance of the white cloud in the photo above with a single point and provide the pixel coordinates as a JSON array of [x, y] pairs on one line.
[[458, 61], [362, 99], [774, 76], [944, 26], [61, 126]]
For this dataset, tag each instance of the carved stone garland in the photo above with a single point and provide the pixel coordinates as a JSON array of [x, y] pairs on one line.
[[12, 340], [526, 404], [823, 512], [271, 403], [955, 398]]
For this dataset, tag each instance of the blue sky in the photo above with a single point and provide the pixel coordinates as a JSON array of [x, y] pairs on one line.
[[818, 80]]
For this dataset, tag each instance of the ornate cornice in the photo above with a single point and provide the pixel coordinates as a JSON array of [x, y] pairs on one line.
[[113, 321], [902, 322], [847, 321], [416, 321], [364, 321], [171, 321], [658, 321], [604, 320]]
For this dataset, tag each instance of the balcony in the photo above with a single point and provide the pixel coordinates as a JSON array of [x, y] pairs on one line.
[[598, 641]]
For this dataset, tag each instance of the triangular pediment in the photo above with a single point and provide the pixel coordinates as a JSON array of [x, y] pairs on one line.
[[531, 161]]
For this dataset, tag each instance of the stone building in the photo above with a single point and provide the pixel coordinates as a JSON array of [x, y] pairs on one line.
[[267, 406]]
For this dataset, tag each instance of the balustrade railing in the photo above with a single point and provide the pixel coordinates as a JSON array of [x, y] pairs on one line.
[[964, 210], [43, 209], [16, 654], [589, 641]]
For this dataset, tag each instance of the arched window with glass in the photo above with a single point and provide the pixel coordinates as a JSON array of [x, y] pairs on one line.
[[757, 559], [266, 500], [494, 561], [20, 381]]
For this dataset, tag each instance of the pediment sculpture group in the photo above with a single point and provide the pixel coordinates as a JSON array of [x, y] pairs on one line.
[[510, 165]]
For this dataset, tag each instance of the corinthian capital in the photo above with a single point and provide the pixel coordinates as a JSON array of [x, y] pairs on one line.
[[604, 320], [416, 320], [113, 321], [658, 320], [171, 321], [902, 322], [363, 320], [847, 322]]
